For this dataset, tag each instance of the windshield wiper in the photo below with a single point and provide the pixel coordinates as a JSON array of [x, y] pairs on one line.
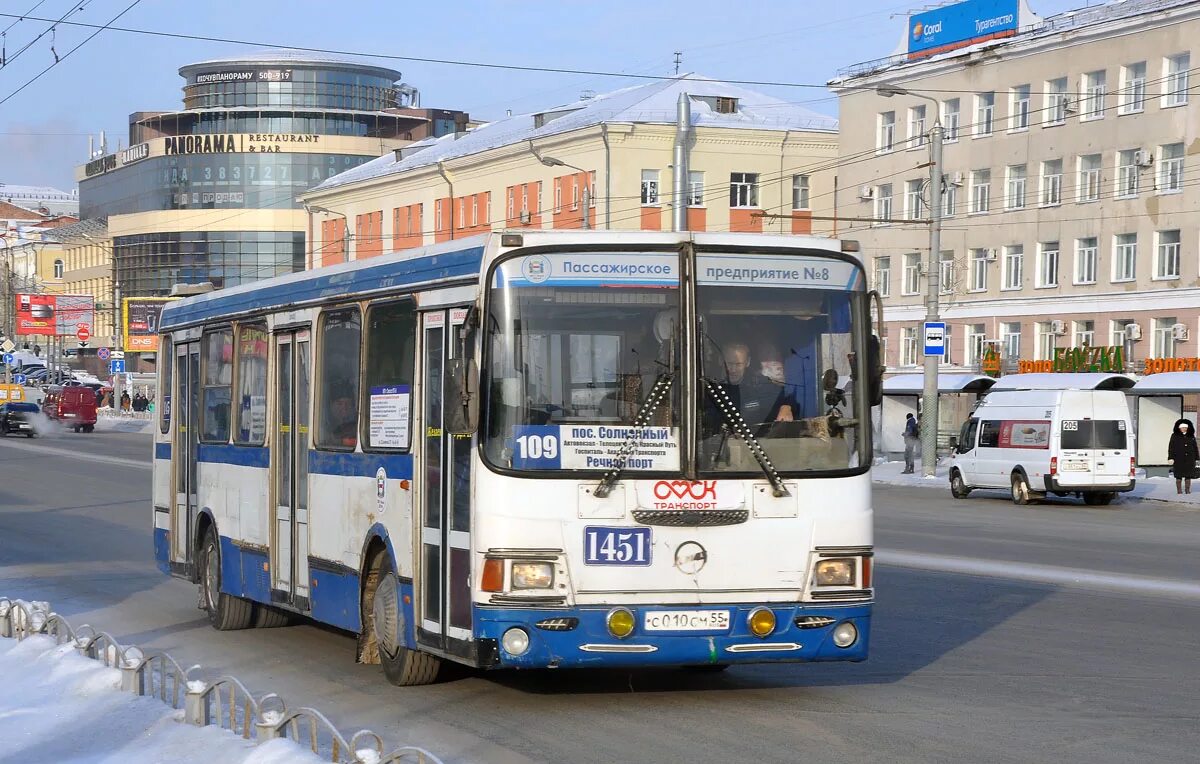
[[658, 393], [736, 422]]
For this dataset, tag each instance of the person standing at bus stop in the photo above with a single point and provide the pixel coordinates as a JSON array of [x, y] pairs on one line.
[[912, 436], [1182, 455]]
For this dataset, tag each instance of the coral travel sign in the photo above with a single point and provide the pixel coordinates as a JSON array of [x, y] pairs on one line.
[[956, 26], [1109, 358]]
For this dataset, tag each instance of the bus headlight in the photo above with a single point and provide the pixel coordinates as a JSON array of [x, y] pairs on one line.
[[838, 572], [532, 575]]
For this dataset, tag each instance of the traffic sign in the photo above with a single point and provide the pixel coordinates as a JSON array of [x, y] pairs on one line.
[[83, 333], [935, 338], [116, 366], [18, 379], [8, 359], [7, 346], [102, 354]]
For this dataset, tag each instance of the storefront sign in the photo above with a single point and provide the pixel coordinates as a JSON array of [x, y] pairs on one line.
[[1161, 365], [961, 24], [140, 322], [1067, 360], [232, 143], [109, 162], [135, 153], [990, 362], [245, 75], [101, 165], [53, 314]]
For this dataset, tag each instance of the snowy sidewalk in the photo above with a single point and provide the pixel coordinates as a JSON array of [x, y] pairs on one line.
[[1158, 489], [60, 706]]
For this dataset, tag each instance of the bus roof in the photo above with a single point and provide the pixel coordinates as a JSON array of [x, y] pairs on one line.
[[444, 262]]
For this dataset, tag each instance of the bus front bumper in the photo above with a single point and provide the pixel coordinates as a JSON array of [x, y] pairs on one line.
[[579, 638]]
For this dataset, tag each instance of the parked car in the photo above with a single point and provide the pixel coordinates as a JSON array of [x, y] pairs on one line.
[[17, 417], [75, 407], [1036, 442]]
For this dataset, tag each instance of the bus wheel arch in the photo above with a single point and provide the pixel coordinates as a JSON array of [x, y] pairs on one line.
[[204, 521], [382, 636]]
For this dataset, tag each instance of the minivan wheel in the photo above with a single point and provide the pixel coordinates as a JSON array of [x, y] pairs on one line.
[[958, 488], [1021, 494]]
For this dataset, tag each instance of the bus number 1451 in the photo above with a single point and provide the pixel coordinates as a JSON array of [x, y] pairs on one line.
[[616, 546]]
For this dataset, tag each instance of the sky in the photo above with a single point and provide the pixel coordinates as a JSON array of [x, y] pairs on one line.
[[44, 128]]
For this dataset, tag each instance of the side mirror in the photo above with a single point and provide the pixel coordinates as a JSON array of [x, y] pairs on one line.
[[954, 444]]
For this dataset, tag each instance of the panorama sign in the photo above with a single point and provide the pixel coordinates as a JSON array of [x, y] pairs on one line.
[[961, 24]]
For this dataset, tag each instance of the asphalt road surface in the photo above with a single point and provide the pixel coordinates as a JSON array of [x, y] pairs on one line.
[[1056, 632]]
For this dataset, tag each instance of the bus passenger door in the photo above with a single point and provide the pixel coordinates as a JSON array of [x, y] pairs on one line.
[[289, 471], [445, 470], [187, 433]]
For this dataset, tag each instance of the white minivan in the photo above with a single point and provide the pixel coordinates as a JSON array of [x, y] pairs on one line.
[[1036, 442]]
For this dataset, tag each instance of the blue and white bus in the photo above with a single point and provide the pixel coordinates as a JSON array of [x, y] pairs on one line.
[[534, 449]]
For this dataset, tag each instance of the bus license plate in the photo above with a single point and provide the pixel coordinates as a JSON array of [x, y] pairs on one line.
[[603, 545], [687, 620]]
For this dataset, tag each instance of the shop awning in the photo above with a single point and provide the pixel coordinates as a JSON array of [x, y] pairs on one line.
[[914, 384], [1090, 380], [1169, 382]]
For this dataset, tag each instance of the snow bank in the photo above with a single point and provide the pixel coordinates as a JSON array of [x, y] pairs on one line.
[[58, 706]]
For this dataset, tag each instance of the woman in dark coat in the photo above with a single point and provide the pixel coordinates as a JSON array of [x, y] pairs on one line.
[[1182, 455]]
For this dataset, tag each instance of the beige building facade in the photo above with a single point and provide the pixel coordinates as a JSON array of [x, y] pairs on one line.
[[1071, 189], [754, 164]]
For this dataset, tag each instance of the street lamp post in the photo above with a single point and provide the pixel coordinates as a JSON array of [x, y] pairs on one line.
[[929, 395], [587, 185]]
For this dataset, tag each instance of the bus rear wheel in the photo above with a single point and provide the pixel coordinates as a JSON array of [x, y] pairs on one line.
[[225, 612], [1021, 493], [402, 666]]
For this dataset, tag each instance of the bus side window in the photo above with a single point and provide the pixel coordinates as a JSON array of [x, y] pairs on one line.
[[251, 385], [166, 357], [391, 358], [217, 376], [341, 336], [989, 435]]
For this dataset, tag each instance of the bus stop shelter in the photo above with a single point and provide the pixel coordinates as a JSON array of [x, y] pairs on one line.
[[1084, 380], [1158, 404], [957, 395]]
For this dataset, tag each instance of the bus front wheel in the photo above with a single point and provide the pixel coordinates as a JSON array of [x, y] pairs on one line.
[[402, 666], [225, 612]]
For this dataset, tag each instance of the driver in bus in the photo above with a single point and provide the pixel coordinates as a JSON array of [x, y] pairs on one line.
[[757, 398]]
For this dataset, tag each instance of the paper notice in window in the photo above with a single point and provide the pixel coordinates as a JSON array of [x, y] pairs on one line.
[[389, 416]]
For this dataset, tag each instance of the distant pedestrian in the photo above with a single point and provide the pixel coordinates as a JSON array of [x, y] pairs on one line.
[[1183, 454], [125, 401], [912, 436]]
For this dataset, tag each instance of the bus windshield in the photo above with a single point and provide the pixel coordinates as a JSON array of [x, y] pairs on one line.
[[781, 369], [584, 354]]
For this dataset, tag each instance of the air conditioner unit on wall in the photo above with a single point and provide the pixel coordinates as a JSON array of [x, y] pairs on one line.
[[1133, 331], [1179, 332], [991, 255], [1057, 326], [957, 179], [1143, 158], [866, 192]]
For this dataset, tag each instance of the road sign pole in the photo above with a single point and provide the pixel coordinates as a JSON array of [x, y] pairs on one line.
[[929, 396]]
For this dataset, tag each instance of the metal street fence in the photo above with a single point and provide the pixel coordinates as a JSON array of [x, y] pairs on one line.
[[224, 702]]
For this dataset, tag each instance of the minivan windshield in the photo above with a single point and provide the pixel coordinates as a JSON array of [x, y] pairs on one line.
[[1104, 434]]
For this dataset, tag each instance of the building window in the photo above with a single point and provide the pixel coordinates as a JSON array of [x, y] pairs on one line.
[[981, 190], [887, 131], [1052, 173], [1125, 257], [912, 199], [1089, 178], [946, 273], [574, 192], [883, 203], [883, 276], [1133, 88], [985, 109], [558, 195], [1166, 263], [912, 274], [1010, 336], [908, 346], [1014, 266], [1014, 198], [512, 203], [743, 189], [949, 199], [1046, 340], [1175, 89], [1127, 173], [916, 126], [1094, 84], [1164, 338], [58, 269], [462, 213], [1085, 260], [592, 188], [437, 216], [979, 263], [976, 335], [1056, 102], [950, 119], [649, 188], [524, 198], [474, 210], [800, 192], [1170, 168], [695, 189], [1085, 334], [1020, 107], [1048, 264]]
